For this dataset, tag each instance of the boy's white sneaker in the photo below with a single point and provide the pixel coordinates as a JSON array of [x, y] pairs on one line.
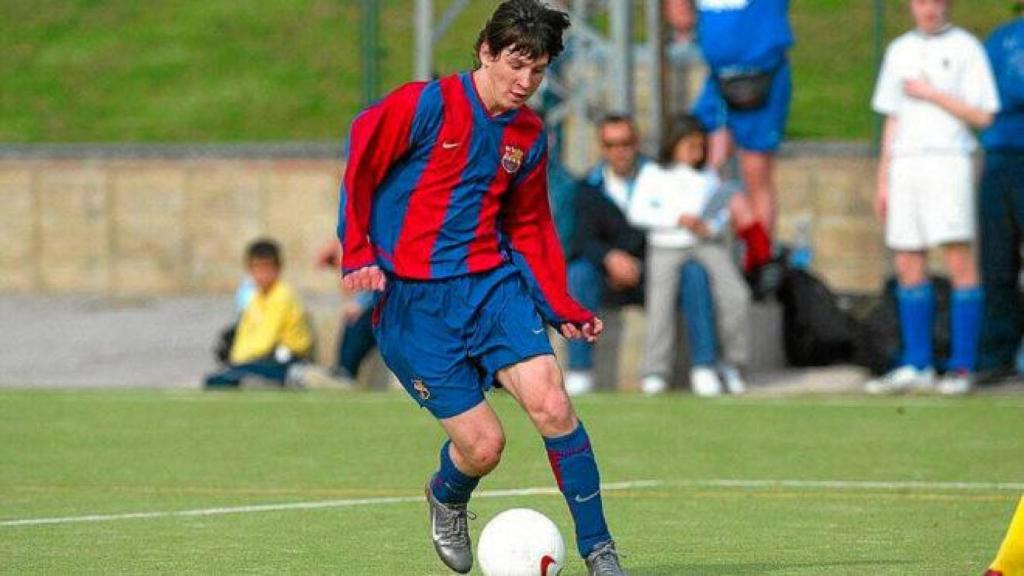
[[902, 379], [704, 382], [653, 384], [956, 383], [579, 382], [732, 379]]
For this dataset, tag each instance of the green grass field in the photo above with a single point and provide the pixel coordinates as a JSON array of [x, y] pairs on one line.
[[107, 453], [231, 70]]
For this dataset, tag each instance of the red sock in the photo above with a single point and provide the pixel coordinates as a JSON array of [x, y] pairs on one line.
[[759, 246]]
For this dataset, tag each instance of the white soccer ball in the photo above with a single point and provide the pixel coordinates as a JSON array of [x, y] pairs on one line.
[[521, 542]]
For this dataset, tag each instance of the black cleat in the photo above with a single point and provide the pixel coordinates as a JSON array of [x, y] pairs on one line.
[[603, 560], [449, 529]]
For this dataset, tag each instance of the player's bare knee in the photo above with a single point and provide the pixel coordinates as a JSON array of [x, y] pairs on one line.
[[960, 263], [911, 268], [553, 414], [486, 453]]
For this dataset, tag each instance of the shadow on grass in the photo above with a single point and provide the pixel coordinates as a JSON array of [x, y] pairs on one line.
[[731, 569]]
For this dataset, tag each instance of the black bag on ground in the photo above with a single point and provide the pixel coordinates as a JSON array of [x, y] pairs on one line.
[[817, 332], [766, 279], [222, 348]]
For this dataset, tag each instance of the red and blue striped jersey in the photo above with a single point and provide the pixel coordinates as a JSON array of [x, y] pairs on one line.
[[435, 187]]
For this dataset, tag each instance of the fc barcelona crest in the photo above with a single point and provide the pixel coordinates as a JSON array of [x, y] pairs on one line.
[[512, 159], [421, 389]]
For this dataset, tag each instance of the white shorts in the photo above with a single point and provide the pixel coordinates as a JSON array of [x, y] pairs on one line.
[[931, 202]]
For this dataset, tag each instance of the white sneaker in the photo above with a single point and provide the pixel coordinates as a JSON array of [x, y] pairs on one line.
[[732, 379], [653, 384], [704, 382], [579, 382], [312, 377], [956, 383], [902, 379]]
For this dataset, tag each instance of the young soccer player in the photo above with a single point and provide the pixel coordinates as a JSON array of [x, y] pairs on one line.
[[444, 208], [934, 86]]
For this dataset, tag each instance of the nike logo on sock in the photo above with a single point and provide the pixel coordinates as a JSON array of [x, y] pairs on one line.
[[587, 498]]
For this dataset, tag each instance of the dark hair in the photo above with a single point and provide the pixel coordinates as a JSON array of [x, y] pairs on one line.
[[527, 26], [681, 127], [264, 249], [615, 118]]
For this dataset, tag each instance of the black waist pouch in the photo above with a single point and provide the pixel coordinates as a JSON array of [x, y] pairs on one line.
[[745, 88]]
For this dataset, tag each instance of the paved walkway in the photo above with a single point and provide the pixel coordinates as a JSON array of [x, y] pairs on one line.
[[166, 343], [83, 342]]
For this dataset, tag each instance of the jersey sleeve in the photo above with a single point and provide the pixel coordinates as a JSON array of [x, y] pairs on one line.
[[888, 91], [534, 247], [380, 135]]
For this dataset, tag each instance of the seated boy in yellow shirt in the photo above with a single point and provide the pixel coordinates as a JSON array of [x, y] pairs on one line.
[[272, 333]]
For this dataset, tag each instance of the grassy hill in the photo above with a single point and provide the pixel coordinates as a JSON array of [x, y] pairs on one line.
[[231, 70]]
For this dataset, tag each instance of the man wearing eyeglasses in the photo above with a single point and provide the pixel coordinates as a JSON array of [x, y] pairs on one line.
[[605, 252]]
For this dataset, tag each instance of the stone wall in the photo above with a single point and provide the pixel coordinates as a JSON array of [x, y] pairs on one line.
[[171, 220], [123, 224], [832, 187]]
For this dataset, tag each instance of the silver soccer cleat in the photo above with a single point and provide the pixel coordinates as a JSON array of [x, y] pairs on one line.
[[604, 561], [449, 529]]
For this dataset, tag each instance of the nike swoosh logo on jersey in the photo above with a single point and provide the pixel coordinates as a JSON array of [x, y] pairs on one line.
[[450, 145], [587, 498], [538, 330]]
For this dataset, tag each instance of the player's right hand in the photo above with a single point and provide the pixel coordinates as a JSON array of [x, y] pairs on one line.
[[365, 279]]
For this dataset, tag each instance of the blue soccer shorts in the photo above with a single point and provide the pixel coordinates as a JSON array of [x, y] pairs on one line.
[[445, 339], [759, 130]]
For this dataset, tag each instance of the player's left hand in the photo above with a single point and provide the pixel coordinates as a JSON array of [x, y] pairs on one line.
[[919, 88], [588, 331], [364, 279]]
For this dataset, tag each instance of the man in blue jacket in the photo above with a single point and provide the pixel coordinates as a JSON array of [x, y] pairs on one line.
[[1001, 201]]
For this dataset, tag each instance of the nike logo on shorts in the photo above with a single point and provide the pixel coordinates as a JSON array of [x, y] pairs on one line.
[[538, 330]]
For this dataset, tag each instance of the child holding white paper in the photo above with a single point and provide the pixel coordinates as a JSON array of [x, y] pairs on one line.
[[685, 210]]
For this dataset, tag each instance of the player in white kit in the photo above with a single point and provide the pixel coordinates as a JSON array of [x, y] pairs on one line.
[[934, 87]]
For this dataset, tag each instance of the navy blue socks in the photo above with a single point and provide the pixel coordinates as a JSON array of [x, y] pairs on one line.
[[572, 461], [449, 484]]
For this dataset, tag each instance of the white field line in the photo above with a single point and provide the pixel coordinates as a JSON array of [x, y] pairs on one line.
[[344, 503], [837, 485], [906, 485]]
